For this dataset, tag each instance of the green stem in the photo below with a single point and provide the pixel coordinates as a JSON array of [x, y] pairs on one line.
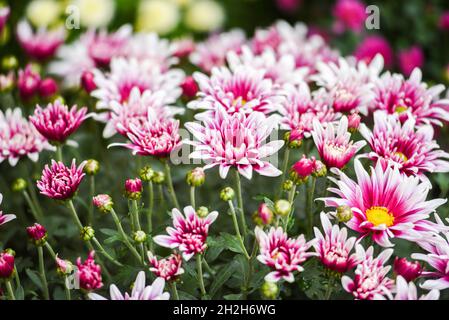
[[199, 269], [150, 208], [291, 199], [330, 286], [208, 268], [135, 213], [309, 207], [66, 289], [237, 229], [192, 197], [40, 252], [284, 169], [50, 250], [90, 216], [174, 291], [16, 277], [105, 253], [240, 202], [10, 291], [171, 190], [30, 203], [33, 197], [59, 153]]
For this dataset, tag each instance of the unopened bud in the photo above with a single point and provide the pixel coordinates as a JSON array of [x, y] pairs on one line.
[[158, 177], [10, 63], [344, 213], [64, 267], [319, 169], [270, 290], [146, 173], [92, 167], [202, 212], [287, 185], [103, 202], [139, 236], [263, 215], [294, 138], [282, 207], [227, 194], [195, 177], [87, 233], [19, 185], [38, 234], [133, 188]]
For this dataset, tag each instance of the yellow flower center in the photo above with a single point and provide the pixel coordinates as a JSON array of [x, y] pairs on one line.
[[400, 109], [380, 215], [402, 156], [242, 101]]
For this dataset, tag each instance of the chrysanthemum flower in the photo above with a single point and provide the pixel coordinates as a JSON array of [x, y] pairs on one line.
[[413, 150], [334, 248], [18, 138], [236, 140], [282, 254], [56, 122], [6, 265], [139, 291], [372, 46], [334, 144], [409, 270], [60, 182], [42, 44], [370, 279], [4, 218], [410, 97], [28, 82], [386, 204], [349, 14], [89, 273], [168, 269], [189, 232], [407, 291]]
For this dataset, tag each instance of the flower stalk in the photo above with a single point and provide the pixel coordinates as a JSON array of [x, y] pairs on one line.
[[171, 189], [240, 202], [237, 229], [199, 268], [40, 252]]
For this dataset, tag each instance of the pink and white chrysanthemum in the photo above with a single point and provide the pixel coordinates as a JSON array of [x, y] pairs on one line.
[[386, 204], [240, 89], [89, 273], [19, 138], [407, 291], [334, 248], [127, 74], [4, 218], [168, 269], [60, 182], [413, 150], [189, 232], [410, 97], [139, 291], [300, 107], [43, 43], [334, 143], [212, 52], [282, 254], [370, 280], [56, 122], [237, 141]]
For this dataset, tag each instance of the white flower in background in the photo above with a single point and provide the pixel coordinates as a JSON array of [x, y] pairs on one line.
[[95, 14], [204, 16], [42, 13], [161, 16]]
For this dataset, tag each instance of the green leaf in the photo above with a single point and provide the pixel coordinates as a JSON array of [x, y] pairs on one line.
[[109, 232], [231, 242], [234, 296], [186, 296], [222, 276], [19, 293], [34, 277]]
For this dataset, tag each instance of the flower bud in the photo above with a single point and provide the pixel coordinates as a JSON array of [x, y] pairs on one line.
[[409, 270], [227, 194], [139, 236], [19, 185], [88, 82], [202, 212], [6, 265], [353, 122], [158, 177], [48, 88], [319, 169], [287, 185], [92, 167], [133, 188], [344, 213], [7, 82], [28, 82], [38, 234], [269, 290], [282, 207], [146, 173], [63, 267], [87, 233], [294, 138], [103, 202], [301, 170], [195, 177], [189, 87], [10, 63], [263, 215]]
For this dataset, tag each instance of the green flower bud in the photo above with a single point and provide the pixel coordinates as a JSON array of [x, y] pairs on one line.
[[103, 202], [10, 251], [19, 185], [10, 63], [87, 233], [159, 177], [293, 139], [344, 213], [287, 185], [92, 167], [227, 194], [320, 169], [202, 212], [146, 173], [269, 290], [195, 177], [282, 207], [139, 236]]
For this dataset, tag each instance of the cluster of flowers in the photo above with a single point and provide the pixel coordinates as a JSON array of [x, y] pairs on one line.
[[284, 77]]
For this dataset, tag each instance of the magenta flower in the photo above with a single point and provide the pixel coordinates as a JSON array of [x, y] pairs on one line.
[[88, 82], [189, 87], [302, 169], [18, 138], [6, 265], [42, 44], [407, 291], [333, 143], [411, 58], [168, 269], [333, 248], [4, 15], [349, 14], [265, 214], [28, 82], [48, 88], [56, 122], [237, 141], [413, 150], [189, 232], [288, 6], [410, 97], [373, 45], [89, 273], [282, 254], [139, 292], [443, 22], [409, 270], [60, 182], [36, 232], [4, 218], [183, 47], [133, 187], [386, 204], [370, 280]]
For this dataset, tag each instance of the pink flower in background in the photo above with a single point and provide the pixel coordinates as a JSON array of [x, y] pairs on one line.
[[88, 82], [410, 59], [60, 182], [4, 15], [48, 88], [371, 46], [189, 87], [237, 141], [19, 138], [43, 43], [354, 121], [282, 254], [28, 82], [6, 265], [334, 248], [386, 204], [288, 6], [410, 97], [443, 22], [264, 213], [57, 122], [349, 14], [7, 81], [413, 150], [183, 47], [409, 270], [370, 280], [334, 144], [168, 269], [4, 218], [212, 52], [89, 273], [407, 291], [139, 291], [189, 232], [263, 39]]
